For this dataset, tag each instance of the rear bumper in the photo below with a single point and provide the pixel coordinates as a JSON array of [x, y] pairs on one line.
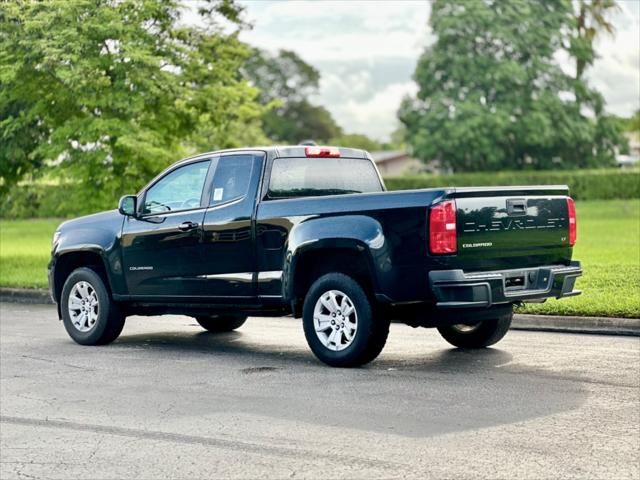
[[457, 289]]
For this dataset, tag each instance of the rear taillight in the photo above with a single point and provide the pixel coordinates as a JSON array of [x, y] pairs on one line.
[[573, 222], [443, 238]]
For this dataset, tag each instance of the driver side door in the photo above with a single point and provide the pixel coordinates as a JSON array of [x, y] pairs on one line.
[[161, 246]]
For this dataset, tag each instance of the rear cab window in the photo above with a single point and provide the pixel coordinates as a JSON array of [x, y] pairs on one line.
[[305, 177]]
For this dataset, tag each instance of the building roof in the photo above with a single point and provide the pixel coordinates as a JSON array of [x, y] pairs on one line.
[[382, 156]]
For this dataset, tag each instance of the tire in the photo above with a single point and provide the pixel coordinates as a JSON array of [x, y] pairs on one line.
[[102, 321], [349, 346], [484, 334], [222, 323]]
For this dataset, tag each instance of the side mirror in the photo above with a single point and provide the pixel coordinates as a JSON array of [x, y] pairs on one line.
[[128, 205]]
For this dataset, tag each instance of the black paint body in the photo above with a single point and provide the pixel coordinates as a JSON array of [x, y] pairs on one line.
[[253, 254]]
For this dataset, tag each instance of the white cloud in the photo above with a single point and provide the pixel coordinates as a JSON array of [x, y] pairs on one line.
[[376, 115], [367, 51], [616, 74], [340, 30]]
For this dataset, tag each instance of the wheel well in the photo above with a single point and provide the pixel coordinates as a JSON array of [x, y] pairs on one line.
[[69, 262], [312, 265]]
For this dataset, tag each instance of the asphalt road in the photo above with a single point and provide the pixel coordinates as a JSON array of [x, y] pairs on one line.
[[168, 400]]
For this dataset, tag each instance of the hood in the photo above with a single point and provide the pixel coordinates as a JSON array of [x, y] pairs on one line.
[[107, 219]]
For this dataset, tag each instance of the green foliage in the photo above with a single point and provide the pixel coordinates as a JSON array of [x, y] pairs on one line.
[[583, 184], [398, 140], [491, 96], [107, 93], [284, 76], [626, 125], [590, 21], [65, 200], [285, 82], [294, 122], [633, 124]]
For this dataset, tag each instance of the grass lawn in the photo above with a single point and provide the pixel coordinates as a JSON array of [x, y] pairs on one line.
[[25, 246], [608, 245]]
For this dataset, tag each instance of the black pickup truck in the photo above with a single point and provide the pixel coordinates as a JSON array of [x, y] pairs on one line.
[[311, 232]]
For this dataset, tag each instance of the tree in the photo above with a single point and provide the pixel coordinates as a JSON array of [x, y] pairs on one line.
[[628, 125], [296, 121], [283, 76], [398, 139], [286, 82], [491, 96], [633, 124], [591, 20], [109, 92], [356, 140]]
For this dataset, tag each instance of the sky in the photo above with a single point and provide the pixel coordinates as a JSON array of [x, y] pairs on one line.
[[366, 51]]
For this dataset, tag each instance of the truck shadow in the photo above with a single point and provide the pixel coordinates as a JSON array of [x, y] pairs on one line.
[[435, 392]]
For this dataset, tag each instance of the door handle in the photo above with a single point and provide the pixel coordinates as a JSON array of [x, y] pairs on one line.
[[186, 226]]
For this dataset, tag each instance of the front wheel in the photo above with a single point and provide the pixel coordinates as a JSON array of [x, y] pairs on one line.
[[340, 324], [89, 314], [479, 335], [221, 323]]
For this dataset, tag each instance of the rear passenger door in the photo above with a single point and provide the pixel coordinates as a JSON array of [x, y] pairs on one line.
[[228, 248]]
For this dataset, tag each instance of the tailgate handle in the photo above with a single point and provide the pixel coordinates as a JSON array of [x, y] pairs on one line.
[[516, 206]]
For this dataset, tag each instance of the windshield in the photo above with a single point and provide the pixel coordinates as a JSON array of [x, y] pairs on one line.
[[301, 177]]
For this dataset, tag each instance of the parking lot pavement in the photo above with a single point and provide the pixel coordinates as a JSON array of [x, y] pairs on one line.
[[168, 400]]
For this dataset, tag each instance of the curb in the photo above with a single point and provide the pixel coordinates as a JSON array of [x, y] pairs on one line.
[[556, 323], [550, 323], [25, 295]]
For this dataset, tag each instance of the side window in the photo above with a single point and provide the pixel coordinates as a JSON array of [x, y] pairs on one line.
[[232, 177], [179, 190]]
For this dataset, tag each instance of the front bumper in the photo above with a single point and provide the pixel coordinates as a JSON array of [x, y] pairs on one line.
[[457, 289]]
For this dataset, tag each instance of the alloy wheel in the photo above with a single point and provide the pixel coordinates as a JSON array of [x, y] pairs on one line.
[[83, 306], [335, 320]]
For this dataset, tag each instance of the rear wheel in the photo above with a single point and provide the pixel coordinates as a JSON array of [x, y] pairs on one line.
[[221, 323], [479, 335], [89, 314], [340, 324]]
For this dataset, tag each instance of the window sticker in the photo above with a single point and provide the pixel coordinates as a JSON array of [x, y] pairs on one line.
[[217, 194]]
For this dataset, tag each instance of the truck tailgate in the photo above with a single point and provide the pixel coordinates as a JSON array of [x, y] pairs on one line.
[[512, 227]]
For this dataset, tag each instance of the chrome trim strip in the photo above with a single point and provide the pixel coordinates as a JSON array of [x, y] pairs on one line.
[[270, 275], [230, 277], [228, 203]]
